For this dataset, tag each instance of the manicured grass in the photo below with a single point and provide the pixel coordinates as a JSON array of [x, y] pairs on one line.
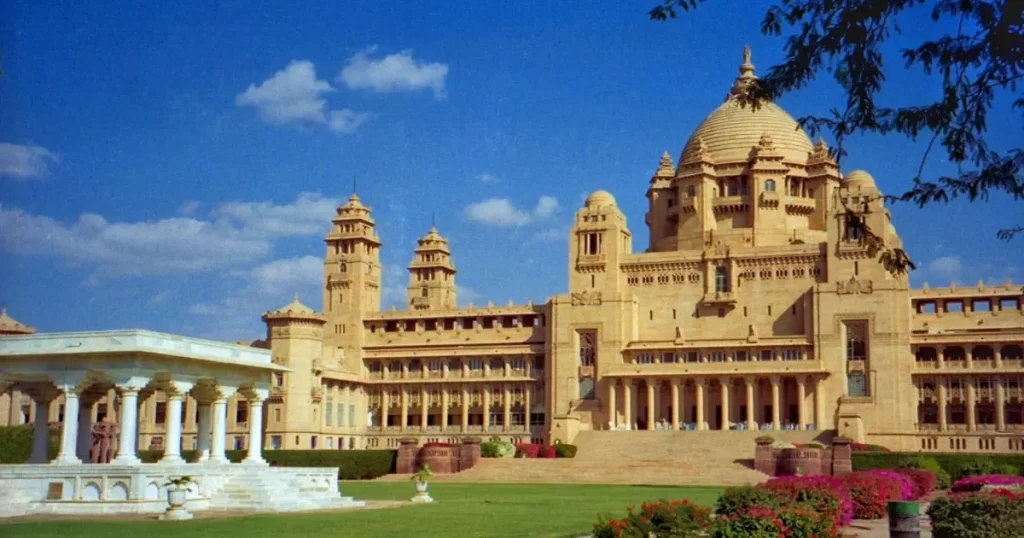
[[464, 510]]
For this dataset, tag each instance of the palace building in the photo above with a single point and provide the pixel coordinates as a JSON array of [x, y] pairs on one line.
[[752, 307]]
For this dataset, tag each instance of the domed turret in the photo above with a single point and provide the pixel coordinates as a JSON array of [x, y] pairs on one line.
[[11, 327], [858, 179], [600, 199]]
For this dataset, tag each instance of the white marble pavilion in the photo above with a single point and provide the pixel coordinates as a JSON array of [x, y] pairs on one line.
[[84, 366]]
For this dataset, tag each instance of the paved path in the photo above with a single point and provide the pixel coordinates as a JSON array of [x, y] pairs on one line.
[[879, 528]]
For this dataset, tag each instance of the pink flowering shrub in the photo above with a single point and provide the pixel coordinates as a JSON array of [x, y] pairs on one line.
[[824, 494], [975, 483], [789, 522], [871, 493], [924, 481], [527, 450], [906, 485]]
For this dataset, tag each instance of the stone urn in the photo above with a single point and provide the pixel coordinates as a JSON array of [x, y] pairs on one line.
[[421, 477], [177, 493]]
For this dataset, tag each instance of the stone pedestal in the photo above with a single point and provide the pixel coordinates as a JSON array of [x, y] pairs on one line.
[[764, 459], [422, 496], [469, 454], [405, 462], [842, 456]]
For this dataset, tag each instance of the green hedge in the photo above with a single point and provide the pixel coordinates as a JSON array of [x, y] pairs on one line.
[[16, 443], [956, 464]]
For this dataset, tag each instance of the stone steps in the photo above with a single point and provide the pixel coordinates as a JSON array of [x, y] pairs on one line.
[[639, 457]]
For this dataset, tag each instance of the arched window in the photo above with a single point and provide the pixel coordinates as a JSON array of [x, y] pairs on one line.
[[769, 185], [342, 267], [691, 191], [423, 292]]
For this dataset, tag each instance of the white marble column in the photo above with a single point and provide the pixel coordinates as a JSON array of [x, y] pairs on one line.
[[725, 385], [203, 436], [41, 429], [129, 416], [255, 455], [627, 403], [801, 395], [650, 404], [172, 450], [776, 404], [612, 413], [674, 411], [84, 440], [220, 427], [69, 433]]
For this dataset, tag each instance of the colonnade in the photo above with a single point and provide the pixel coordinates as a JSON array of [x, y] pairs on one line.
[[76, 433], [948, 391], [701, 389], [462, 393]]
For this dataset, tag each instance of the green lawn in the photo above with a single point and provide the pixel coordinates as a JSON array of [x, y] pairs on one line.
[[463, 510]]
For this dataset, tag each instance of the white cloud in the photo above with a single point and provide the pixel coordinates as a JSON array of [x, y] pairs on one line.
[[551, 234], [394, 283], [188, 208], [294, 95], [501, 212], [393, 73], [160, 297], [286, 276], [466, 296], [26, 162], [241, 232], [945, 268], [488, 178]]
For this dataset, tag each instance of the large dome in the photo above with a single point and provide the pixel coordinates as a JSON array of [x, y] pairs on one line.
[[731, 131]]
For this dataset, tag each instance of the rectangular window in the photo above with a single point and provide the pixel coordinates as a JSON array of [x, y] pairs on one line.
[[668, 357], [856, 384], [791, 355], [721, 279], [341, 414], [329, 413], [497, 418], [766, 355], [536, 419], [517, 418], [239, 442], [275, 442], [161, 413], [588, 347], [352, 414], [856, 345], [716, 356], [242, 413], [644, 358], [741, 356]]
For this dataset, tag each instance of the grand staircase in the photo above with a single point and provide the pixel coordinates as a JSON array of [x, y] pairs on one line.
[[640, 457]]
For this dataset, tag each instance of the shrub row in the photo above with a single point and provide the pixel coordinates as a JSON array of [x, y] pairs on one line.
[[531, 450], [956, 466], [984, 514], [16, 443], [505, 449], [975, 483]]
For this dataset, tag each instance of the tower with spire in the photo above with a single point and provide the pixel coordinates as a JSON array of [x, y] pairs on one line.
[[352, 280], [431, 274]]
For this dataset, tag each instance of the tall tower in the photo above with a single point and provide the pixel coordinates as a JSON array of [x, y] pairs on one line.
[[295, 332], [351, 283], [432, 274]]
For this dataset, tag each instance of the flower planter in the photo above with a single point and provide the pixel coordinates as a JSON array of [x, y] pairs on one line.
[[176, 511]]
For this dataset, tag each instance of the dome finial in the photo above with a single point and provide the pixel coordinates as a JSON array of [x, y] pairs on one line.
[[665, 167], [746, 73]]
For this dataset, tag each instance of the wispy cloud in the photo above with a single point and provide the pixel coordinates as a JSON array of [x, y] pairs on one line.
[[294, 95], [502, 213], [235, 233], [393, 73], [23, 163], [488, 178]]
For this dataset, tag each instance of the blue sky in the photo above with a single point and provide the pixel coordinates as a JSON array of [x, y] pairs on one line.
[[174, 168]]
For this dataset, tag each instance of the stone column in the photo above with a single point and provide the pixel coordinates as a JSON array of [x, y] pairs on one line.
[[444, 405], [69, 433], [971, 426], [627, 403], [424, 408], [751, 422], [612, 411], [650, 404], [220, 423], [84, 440], [527, 402], [968, 356], [675, 403], [129, 416], [776, 403], [506, 397], [203, 433], [682, 400], [172, 449], [819, 405], [255, 455], [465, 409], [1000, 405], [801, 395], [487, 408], [997, 356], [941, 389], [725, 384], [404, 410], [41, 426], [940, 354], [384, 407], [700, 404]]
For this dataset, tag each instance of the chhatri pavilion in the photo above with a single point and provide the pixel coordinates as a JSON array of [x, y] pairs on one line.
[[752, 307]]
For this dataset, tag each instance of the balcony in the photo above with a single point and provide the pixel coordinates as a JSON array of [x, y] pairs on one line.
[[723, 368], [800, 206], [718, 298]]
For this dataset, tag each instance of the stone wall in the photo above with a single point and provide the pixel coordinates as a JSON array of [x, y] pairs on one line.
[[832, 461], [442, 459]]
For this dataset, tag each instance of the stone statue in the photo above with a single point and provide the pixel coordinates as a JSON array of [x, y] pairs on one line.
[[104, 442], [746, 54], [751, 333]]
